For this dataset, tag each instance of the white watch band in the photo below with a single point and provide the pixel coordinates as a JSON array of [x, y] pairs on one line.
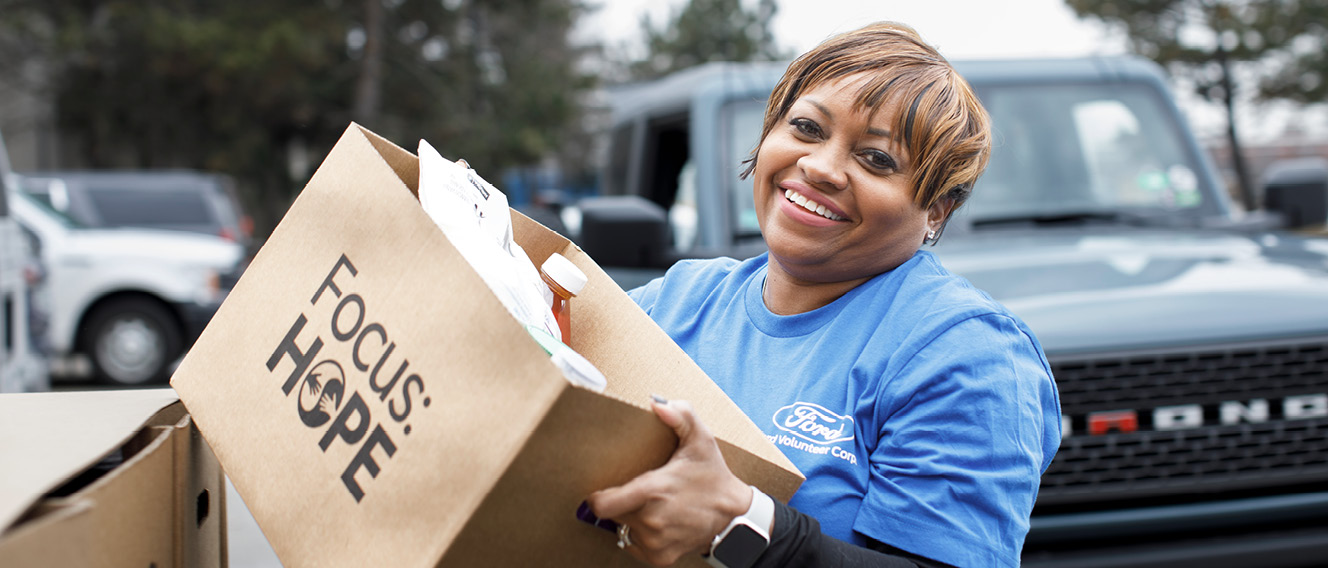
[[760, 517], [762, 511]]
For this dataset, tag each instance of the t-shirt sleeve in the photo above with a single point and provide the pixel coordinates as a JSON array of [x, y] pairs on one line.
[[970, 422], [684, 284], [646, 294]]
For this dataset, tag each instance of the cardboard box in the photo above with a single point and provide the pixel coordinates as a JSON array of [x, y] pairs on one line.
[[107, 478], [374, 404]]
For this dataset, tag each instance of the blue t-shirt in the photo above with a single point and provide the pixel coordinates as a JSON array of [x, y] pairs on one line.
[[921, 411]]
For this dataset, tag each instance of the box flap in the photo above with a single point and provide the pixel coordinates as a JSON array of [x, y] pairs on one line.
[[135, 518], [47, 438], [43, 540]]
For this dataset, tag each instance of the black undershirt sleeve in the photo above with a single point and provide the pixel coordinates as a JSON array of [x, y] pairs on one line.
[[797, 542]]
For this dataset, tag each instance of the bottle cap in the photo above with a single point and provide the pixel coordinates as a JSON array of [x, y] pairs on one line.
[[564, 273]]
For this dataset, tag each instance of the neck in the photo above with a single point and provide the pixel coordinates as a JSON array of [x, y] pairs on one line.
[[785, 294]]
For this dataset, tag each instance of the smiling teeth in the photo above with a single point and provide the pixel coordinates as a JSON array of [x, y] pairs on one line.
[[810, 205]]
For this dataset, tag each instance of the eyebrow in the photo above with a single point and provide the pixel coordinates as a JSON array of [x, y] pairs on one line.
[[870, 130]]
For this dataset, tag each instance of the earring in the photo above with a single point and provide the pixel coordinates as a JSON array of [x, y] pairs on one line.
[[931, 235]]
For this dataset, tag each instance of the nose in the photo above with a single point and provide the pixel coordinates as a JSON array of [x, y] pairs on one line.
[[824, 166]]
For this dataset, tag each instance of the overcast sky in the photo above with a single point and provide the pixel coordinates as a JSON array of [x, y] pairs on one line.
[[960, 29]]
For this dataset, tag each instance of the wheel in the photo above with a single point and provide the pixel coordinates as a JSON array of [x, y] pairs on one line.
[[132, 341]]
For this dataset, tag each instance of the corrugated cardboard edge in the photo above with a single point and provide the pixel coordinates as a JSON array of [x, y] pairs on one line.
[[200, 500], [133, 506], [56, 535], [47, 438]]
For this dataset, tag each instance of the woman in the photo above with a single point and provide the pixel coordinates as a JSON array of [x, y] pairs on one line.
[[924, 412]]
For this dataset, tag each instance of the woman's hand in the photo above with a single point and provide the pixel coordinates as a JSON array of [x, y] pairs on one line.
[[679, 508]]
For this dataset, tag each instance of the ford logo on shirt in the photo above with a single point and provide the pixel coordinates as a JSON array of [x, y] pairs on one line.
[[814, 423]]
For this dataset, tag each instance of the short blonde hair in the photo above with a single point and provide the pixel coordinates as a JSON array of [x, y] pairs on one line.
[[944, 128]]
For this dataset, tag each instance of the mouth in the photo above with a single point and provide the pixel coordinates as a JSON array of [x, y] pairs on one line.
[[801, 201]]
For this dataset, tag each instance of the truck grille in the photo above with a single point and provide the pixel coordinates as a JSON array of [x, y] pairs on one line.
[[1192, 449]]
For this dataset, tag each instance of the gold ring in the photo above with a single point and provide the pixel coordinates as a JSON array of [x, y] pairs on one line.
[[624, 536]]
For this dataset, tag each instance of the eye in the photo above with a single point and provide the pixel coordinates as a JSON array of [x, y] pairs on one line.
[[807, 127], [878, 160]]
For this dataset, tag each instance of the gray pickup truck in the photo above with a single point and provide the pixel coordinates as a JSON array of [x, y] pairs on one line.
[[1189, 339]]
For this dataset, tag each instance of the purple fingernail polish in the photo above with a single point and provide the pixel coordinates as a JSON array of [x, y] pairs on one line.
[[585, 515]]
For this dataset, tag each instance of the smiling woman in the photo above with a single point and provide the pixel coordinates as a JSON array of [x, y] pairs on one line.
[[921, 412], [819, 231]]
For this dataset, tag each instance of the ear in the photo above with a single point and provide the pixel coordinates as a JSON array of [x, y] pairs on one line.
[[939, 212]]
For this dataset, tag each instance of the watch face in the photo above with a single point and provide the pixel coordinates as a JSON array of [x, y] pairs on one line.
[[741, 547]]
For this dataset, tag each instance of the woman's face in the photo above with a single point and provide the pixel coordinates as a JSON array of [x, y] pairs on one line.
[[846, 165]]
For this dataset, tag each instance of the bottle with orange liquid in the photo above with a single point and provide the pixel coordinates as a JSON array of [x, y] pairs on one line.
[[566, 281]]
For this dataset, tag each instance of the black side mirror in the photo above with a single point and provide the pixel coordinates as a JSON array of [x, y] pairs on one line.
[[1298, 191], [624, 231]]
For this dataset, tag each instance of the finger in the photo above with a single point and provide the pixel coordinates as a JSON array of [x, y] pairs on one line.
[[632, 496], [678, 415], [671, 417], [652, 546], [608, 503], [616, 502], [692, 432]]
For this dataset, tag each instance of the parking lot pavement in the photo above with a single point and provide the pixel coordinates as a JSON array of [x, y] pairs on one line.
[[247, 546]]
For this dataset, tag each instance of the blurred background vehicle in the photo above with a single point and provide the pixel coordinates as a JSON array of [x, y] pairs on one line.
[[22, 292], [1189, 339], [125, 302], [175, 200]]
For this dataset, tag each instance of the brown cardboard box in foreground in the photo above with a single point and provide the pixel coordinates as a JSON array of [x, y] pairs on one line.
[[159, 498], [375, 405]]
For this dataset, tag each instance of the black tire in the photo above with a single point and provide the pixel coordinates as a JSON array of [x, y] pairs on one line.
[[132, 341]]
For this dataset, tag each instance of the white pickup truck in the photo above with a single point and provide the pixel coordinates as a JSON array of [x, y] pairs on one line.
[[125, 303]]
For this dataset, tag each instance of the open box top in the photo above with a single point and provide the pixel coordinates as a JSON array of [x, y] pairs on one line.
[[49, 438]]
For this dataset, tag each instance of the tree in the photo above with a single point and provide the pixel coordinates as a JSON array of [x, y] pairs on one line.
[[247, 86], [1300, 74], [704, 31], [1202, 40]]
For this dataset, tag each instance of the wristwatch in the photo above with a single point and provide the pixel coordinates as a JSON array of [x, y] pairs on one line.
[[746, 537]]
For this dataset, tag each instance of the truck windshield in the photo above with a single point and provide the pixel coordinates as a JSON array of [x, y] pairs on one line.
[[1065, 151], [42, 201], [1060, 152]]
